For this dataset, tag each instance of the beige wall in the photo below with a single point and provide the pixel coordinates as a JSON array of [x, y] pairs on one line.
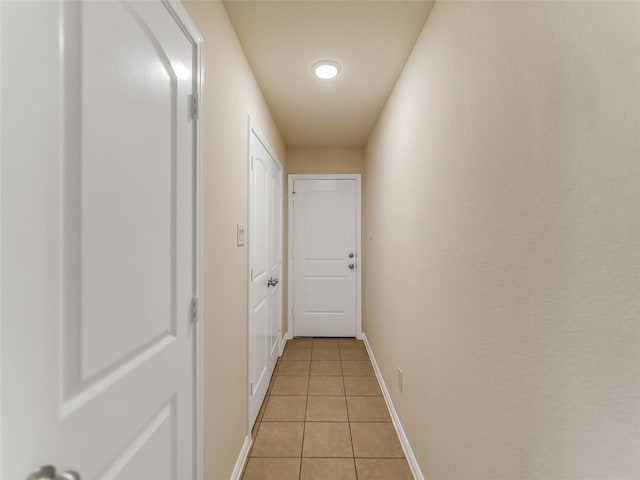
[[325, 160], [503, 241], [230, 95]]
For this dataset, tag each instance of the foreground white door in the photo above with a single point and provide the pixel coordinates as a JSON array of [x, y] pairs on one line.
[[324, 257], [98, 264], [265, 259]]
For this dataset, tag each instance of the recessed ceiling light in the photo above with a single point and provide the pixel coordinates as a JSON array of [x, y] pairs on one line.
[[326, 69]]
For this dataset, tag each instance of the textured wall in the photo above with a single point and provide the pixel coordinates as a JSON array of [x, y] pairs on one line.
[[325, 160], [230, 95], [503, 241]]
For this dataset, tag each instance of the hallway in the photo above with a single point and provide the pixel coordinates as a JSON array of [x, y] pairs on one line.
[[324, 417]]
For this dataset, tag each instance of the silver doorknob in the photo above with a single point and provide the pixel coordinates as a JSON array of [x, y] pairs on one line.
[[48, 472], [272, 282], [351, 255], [68, 475], [351, 266]]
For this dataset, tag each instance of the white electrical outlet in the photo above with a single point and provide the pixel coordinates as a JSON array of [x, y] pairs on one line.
[[399, 379]]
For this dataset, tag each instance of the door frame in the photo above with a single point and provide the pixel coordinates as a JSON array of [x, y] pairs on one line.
[[343, 176], [184, 21], [253, 128]]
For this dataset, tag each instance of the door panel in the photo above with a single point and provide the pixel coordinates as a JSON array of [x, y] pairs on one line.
[[260, 313], [324, 235], [275, 258], [265, 299], [325, 294], [127, 186], [98, 240]]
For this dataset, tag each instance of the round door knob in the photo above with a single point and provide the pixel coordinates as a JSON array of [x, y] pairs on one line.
[[351, 266], [48, 472], [68, 475]]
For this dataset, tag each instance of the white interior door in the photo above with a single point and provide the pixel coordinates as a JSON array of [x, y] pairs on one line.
[[324, 257], [98, 239], [265, 290]]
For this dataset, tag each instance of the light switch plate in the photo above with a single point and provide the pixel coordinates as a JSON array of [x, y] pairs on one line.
[[241, 229]]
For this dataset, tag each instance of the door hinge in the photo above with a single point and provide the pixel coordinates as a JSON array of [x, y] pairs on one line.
[[194, 309], [195, 110], [251, 162], [251, 388], [252, 274]]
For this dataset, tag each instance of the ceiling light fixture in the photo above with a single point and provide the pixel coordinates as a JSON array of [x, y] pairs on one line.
[[326, 69]]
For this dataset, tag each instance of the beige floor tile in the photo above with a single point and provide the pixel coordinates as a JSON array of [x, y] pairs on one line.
[[367, 409], [326, 440], [289, 385], [325, 354], [362, 386], [325, 368], [285, 409], [350, 343], [278, 439], [297, 354], [272, 469], [353, 354], [325, 343], [293, 367], [355, 368], [325, 385], [299, 343], [383, 469], [328, 468], [375, 440], [327, 409]]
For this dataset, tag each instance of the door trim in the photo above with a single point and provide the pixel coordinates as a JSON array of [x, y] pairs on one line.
[[253, 128], [184, 21], [346, 176]]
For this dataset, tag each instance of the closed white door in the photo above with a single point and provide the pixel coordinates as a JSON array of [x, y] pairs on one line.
[[265, 290], [324, 257], [98, 240]]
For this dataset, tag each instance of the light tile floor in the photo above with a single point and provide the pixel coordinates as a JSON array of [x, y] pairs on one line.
[[324, 417]]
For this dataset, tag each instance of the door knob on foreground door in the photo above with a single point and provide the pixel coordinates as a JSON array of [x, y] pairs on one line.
[[48, 472], [351, 266], [272, 282], [351, 255]]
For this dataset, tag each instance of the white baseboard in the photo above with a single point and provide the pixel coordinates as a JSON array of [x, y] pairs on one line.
[[242, 458], [404, 441], [283, 343]]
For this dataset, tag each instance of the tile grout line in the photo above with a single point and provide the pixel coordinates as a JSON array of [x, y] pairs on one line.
[[304, 424], [344, 386]]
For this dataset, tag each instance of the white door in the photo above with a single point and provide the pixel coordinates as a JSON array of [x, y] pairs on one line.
[[265, 286], [324, 257], [98, 258]]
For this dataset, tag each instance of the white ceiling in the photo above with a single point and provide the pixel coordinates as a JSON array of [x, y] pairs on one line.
[[371, 39]]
